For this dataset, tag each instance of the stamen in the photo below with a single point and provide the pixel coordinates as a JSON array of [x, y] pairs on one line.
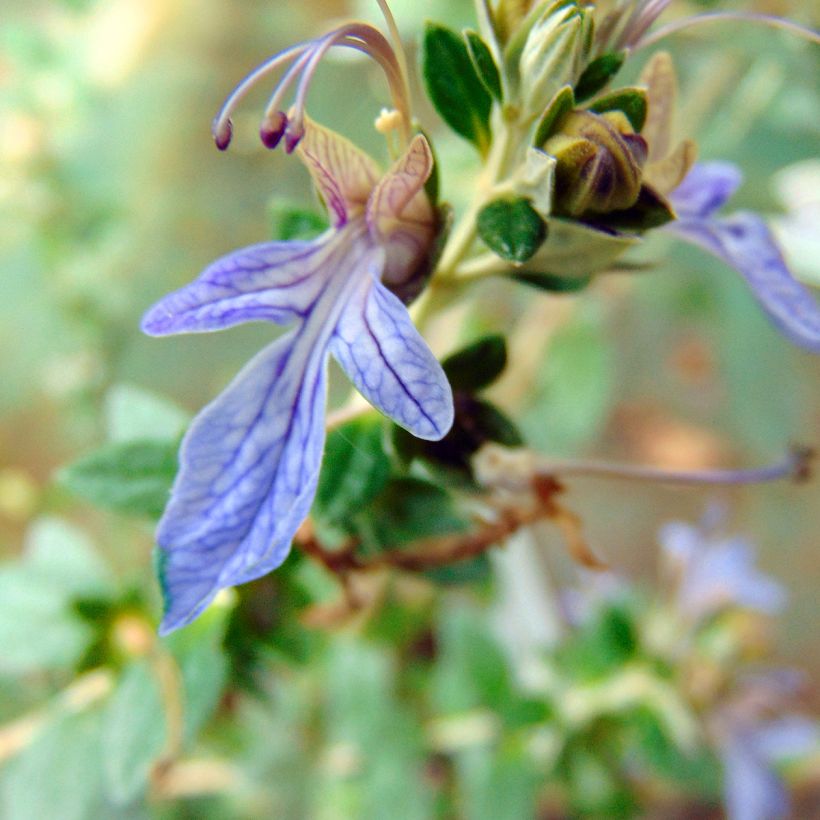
[[364, 38], [398, 46], [717, 16], [221, 129], [640, 21], [272, 130], [513, 469], [796, 466]]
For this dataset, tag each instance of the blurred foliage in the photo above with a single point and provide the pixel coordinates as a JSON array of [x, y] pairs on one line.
[[111, 194]]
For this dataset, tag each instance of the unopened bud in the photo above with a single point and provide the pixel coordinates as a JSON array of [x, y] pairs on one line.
[[599, 161]]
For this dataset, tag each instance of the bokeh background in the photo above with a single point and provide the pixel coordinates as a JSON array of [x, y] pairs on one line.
[[111, 194]]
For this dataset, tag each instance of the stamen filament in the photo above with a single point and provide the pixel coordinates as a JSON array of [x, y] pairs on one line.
[[372, 42], [398, 47], [221, 128], [795, 466], [717, 16]]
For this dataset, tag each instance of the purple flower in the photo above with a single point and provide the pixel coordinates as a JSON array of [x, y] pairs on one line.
[[754, 731], [714, 573], [250, 461], [744, 242]]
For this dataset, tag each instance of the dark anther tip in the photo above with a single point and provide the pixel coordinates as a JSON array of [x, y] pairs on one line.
[[271, 132], [222, 138]]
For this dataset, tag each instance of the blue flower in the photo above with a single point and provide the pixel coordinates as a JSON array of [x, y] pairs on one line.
[[250, 461], [714, 573], [744, 242], [753, 731]]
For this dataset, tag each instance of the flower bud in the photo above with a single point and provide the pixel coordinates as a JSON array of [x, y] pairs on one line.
[[551, 52], [599, 162]]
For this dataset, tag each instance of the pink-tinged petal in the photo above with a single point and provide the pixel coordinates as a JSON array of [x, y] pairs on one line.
[[399, 213], [343, 174], [743, 241], [384, 355], [395, 197], [248, 471], [706, 188], [272, 281]]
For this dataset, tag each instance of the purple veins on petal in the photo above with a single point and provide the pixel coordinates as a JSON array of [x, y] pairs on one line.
[[271, 281], [248, 471], [384, 355], [744, 242]]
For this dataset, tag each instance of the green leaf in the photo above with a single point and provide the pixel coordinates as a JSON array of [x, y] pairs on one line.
[[203, 663], [408, 509], [134, 730], [562, 103], [355, 470], [603, 644], [133, 477], [133, 414], [39, 630], [631, 101], [478, 365], [292, 222], [471, 671], [512, 229], [484, 63], [550, 282], [597, 74], [59, 775], [455, 88], [491, 424], [650, 211]]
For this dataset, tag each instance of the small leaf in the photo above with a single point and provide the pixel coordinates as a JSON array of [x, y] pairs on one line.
[[493, 425], [134, 730], [455, 88], [355, 470], [133, 478], [631, 101], [562, 103], [597, 74], [550, 282], [512, 228], [58, 775], [133, 414], [650, 211], [477, 365], [407, 510], [484, 63]]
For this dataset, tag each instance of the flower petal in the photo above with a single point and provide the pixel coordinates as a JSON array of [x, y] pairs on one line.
[[272, 281], [383, 354], [344, 175], [743, 241], [399, 214], [249, 467], [705, 189], [751, 787], [394, 198]]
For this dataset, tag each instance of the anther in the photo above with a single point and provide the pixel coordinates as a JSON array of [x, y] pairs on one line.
[[223, 134], [293, 136], [273, 129]]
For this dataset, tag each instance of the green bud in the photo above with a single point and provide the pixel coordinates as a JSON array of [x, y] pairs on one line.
[[549, 51], [599, 162]]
